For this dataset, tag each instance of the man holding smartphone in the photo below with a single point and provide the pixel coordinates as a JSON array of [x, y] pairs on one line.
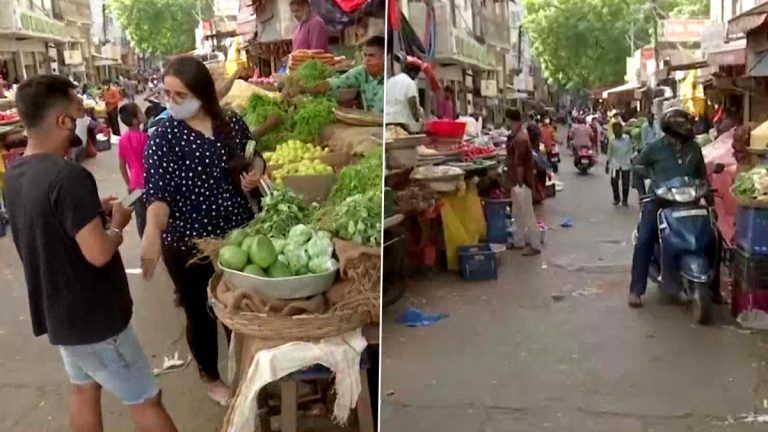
[[68, 241]]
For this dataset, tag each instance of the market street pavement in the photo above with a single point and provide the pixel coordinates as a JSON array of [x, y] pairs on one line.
[[33, 384], [552, 346]]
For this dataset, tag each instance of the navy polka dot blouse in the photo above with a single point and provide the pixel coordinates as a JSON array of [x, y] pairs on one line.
[[188, 171]]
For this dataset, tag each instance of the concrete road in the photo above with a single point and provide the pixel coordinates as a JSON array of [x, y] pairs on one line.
[[552, 346], [33, 384]]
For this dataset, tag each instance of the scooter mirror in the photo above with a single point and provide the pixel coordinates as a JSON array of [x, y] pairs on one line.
[[718, 168]]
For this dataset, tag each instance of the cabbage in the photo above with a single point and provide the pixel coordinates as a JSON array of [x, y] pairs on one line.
[[279, 244], [300, 234], [320, 246], [321, 264], [297, 258]]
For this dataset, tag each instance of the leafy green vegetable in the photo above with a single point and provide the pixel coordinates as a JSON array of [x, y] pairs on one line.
[[359, 178], [358, 218], [314, 72], [299, 234], [280, 212], [311, 117], [259, 109]]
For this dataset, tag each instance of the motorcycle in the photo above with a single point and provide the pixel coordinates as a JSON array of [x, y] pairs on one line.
[[685, 257], [584, 160]]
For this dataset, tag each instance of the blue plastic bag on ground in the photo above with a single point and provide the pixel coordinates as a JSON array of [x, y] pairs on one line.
[[417, 318]]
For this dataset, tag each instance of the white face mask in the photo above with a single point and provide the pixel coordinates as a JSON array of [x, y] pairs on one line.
[[184, 110]]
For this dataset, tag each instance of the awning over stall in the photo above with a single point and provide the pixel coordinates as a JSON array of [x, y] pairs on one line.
[[740, 25], [622, 88]]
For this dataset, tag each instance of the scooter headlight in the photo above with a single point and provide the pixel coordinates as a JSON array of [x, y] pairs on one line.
[[685, 194]]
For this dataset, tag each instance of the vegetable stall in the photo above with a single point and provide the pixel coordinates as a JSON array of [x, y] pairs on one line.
[[737, 170], [306, 270], [445, 204]]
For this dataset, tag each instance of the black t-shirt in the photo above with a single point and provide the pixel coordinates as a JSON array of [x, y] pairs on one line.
[[49, 200]]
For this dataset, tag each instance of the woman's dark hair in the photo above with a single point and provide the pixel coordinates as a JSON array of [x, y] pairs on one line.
[[198, 80]]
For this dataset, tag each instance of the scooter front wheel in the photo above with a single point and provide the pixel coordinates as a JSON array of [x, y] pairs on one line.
[[702, 303]]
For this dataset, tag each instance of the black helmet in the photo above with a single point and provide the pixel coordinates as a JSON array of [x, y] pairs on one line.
[[678, 123]]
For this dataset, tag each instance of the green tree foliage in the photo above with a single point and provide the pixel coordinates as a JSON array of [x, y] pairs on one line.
[[160, 27], [583, 44]]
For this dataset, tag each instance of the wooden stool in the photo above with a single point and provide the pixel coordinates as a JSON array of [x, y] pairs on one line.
[[289, 399]]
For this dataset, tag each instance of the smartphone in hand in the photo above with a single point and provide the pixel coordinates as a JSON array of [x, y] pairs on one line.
[[130, 199]]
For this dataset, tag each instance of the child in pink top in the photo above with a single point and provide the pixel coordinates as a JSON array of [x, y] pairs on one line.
[[131, 154]]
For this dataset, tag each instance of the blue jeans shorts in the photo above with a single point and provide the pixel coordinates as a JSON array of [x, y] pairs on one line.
[[117, 364]]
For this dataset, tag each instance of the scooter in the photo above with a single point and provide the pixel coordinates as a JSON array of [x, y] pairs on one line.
[[584, 160], [685, 258]]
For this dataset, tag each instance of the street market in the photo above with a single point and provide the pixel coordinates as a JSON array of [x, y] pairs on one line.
[[478, 334], [293, 275]]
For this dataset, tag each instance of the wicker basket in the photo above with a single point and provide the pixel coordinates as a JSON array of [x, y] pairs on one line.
[[358, 117], [285, 329]]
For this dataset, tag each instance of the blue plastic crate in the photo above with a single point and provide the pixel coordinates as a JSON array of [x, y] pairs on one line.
[[752, 230], [477, 262], [496, 221]]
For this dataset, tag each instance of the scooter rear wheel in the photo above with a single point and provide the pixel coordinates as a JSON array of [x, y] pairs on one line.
[[702, 303]]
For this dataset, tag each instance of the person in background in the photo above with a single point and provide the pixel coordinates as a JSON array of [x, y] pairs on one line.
[[648, 132], [195, 173], [597, 131], [619, 164], [131, 86], [402, 96], [547, 132], [520, 170], [368, 79], [112, 99], [580, 135], [615, 117], [445, 104], [78, 290], [727, 123], [311, 33], [130, 153]]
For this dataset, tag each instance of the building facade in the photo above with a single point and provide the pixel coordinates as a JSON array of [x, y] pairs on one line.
[[29, 33]]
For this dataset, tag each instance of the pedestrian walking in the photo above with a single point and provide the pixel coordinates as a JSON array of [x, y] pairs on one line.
[[112, 99], [196, 184], [130, 153], [68, 240], [619, 164], [520, 170]]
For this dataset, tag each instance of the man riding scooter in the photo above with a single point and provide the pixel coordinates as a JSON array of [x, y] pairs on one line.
[[674, 156]]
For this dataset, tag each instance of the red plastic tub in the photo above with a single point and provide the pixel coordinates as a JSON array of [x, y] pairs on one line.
[[446, 128]]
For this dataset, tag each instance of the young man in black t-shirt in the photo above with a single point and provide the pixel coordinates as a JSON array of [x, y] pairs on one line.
[[68, 241]]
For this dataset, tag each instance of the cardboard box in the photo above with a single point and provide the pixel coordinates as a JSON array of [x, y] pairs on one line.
[[313, 188]]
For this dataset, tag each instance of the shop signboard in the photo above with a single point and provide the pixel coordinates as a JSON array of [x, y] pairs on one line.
[[472, 52], [73, 57], [489, 88], [42, 26], [682, 30]]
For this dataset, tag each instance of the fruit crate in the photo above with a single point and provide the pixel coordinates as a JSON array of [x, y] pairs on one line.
[[750, 271], [752, 230], [477, 262]]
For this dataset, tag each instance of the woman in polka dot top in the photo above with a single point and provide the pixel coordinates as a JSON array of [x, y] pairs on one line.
[[196, 183]]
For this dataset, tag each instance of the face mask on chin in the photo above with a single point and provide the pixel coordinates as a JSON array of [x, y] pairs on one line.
[[184, 110], [75, 140]]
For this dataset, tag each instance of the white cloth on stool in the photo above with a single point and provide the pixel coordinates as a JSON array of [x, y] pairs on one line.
[[340, 354]]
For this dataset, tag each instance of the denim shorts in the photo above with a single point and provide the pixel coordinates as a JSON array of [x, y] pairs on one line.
[[118, 364]]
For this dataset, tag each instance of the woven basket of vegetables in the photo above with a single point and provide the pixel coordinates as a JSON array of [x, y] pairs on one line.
[[279, 328], [750, 188], [356, 117]]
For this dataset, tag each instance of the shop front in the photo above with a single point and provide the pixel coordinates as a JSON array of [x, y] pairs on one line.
[[24, 39]]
